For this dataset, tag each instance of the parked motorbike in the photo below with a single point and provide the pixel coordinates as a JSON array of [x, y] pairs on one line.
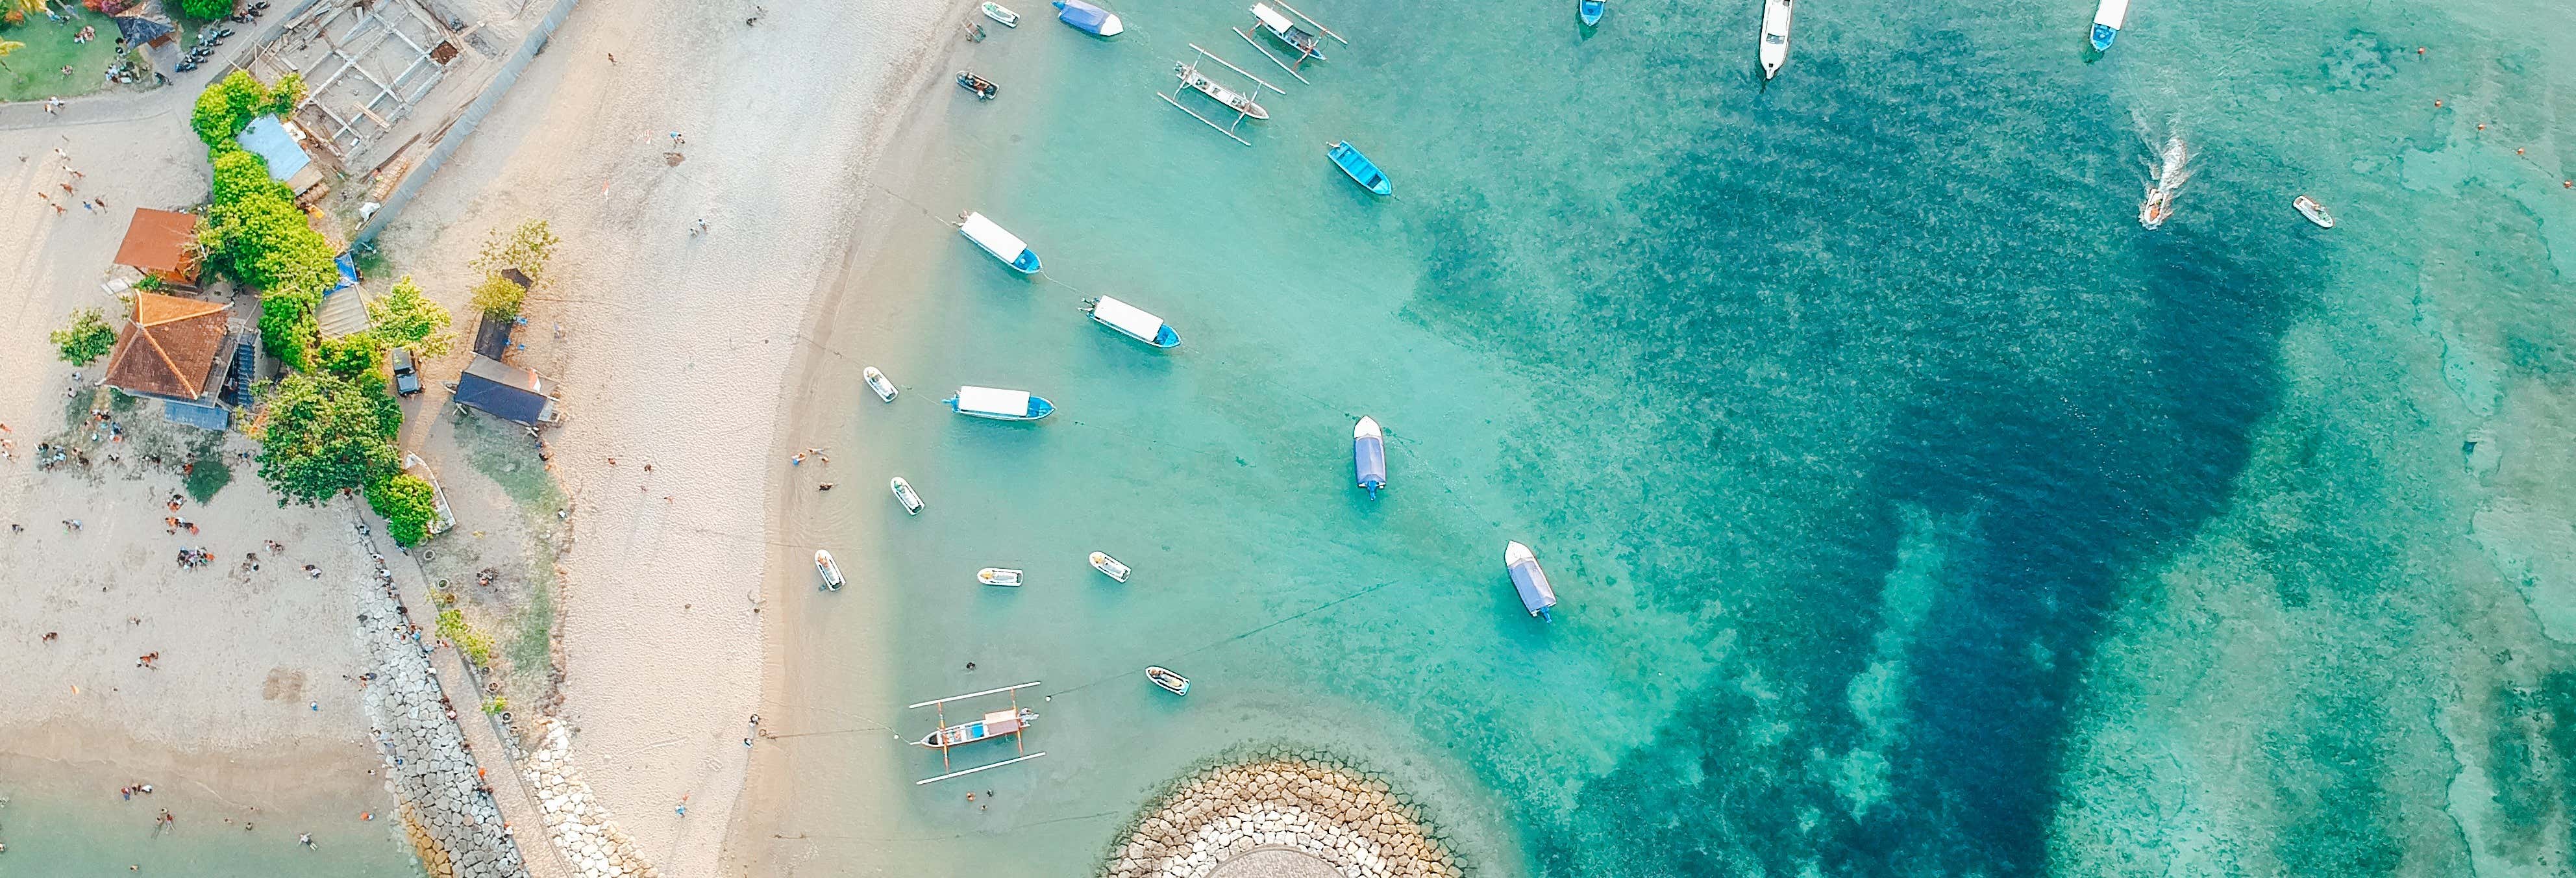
[[184, 66]]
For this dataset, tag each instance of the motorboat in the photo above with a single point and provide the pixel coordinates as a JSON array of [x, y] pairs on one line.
[[1000, 13], [829, 570], [2158, 207], [998, 404], [998, 576], [994, 725], [1171, 682], [1360, 169], [1590, 11], [984, 89], [877, 382], [1089, 19], [1131, 322], [1108, 566], [995, 240], [1775, 37], [903, 494], [1368, 454], [2316, 213], [1270, 21], [2173, 168], [1536, 595], [2107, 21]]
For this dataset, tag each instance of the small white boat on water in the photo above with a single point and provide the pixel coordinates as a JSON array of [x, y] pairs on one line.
[[831, 572], [998, 576], [1171, 682], [1775, 37], [903, 494], [877, 382], [2173, 168], [998, 404], [998, 241], [1368, 454], [2316, 213], [1536, 595], [1132, 322], [1108, 566], [998, 12], [2108, 18]]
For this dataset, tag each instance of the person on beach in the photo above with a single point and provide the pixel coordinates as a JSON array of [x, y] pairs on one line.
[[826, 486]]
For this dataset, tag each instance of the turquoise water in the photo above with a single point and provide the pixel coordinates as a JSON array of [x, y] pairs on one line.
[[1914, 511]]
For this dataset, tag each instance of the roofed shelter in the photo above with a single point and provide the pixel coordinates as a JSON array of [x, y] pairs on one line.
[[162, 244], [507, 392], [281, 144], [178, 351]]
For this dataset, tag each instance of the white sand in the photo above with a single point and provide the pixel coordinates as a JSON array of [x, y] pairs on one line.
[[676, 347]]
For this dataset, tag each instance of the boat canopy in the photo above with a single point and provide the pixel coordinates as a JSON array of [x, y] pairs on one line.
[[1089, 18], [1004, 245], [993, 401], [1270, 18], [1127, 318], [1536, 595], [2113, 14]]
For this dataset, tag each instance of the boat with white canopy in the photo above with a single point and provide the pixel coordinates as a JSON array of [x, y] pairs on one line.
[[999, 242], [1775, 37], [1536, 595], [1368, 454], [999, 404], [1131, 322]]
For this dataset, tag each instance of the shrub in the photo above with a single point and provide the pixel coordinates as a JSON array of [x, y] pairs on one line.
[[452, 628], [205, 10], [287, 329], [358, 356], [87, 337], [498, 297], [496, 705], [408, 504], [527, 247], [321, 434], [406, 319], [224, 107]]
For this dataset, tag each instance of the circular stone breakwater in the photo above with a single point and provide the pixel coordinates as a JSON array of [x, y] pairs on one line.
[[1321, 807]]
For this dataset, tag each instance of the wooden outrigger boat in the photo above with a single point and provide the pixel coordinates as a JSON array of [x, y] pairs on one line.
[[828, 570], [877, 382], [903, 494], [1243, 105], [2316, 213], [994, 724], [984, 89], [1108, 566], [1000, 13], [1306, 44], [1171, 682], [1536, 595], [998, 576]]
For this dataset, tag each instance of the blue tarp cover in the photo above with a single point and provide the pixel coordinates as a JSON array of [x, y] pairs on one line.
[[1082, 15], [268, 138]]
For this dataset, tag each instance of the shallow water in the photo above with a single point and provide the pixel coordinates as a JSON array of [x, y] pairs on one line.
[[1914, 510], [67, 825]]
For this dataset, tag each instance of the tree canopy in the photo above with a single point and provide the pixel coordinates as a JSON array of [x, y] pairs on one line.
[[87, 337], [527, 247], [321, 434], [408, 503], [405, 318], [229, 104]]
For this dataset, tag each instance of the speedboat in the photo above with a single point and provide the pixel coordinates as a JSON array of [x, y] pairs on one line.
[[993, 725], [831, 572], [903, 494], [1108, 566], [2158, 207], [877, 382], [2107, 20], [1089, 19], [1171, 682], [1368, 454], [1531, 582], [2316, 213], [1131, 322], [998, 576], [1590, 11], [1360, 169], [1775, 37], [999, 404], [1002, 244], [997, 12]]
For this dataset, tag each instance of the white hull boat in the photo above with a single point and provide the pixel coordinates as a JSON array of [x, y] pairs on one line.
[[1775, 37], [998, 576], [1536, 595], [1108, 566], [1132, 322], [998, 12], [999, 242], [2108, 18], [903, 494], [877, 382], [2316, 213], [828, 570], [998, 404], [1170, 681], [1368, 454]]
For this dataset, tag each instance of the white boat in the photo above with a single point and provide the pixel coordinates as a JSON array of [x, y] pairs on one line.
[[1368, 454], [2108, 18], [1775, 37], [1536, 595], [999, 242], [1170, 681], [2173, 168], [1132, 322], [2316, 213], [998, 576], [998, 12], [1288, 32], [903, 494], [1108, 566], [831, 572], [877, 382], [999, 404]]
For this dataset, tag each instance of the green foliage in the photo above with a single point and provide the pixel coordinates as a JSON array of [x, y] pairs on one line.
[[358, 356], [254, 232], [287, 329], [321, 434], [527, 247], [496, 705], [87, 337], [406, 319], [408, 504], [229, 104], [452, 628], [207, 475], [499, 298], [205, 10], [150, 283]]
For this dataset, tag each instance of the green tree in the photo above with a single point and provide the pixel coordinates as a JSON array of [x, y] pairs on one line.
[[87, 337], [321, 434], [205, 10], [406, 319], [527, 247], [224, 107], [499, 297], [408, 504], [358, 356], [287, 328]]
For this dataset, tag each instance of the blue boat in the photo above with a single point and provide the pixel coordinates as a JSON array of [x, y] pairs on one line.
[[999, 242], [999, 404], [1089, 19], [2107, 20], [1362, 171], [1368, 454], [1590, 10]]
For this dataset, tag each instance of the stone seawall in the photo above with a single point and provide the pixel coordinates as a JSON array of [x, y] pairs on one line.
[[581, 826], [1319, 806], [447, 810]]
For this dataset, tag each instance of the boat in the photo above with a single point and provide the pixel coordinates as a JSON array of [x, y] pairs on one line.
[[1002, 244], [2173, 168], [1089, 19], [903, 494], [2107, 19], [1171, 682], [1131, 322], [1362, 171], [1108, 566], [2316, 213], [1531, 582], [997, 12], [993, 725], [1233, 100], [2158, 207], [1590, 11], [1278, 26], [1243, 105], [998, 576], [984, 89], [1368, 454], [831, 572], [877, 382], [999, 404], [1775, 37]]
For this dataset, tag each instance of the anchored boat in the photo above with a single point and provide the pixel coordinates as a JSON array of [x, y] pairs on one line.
[[1108, 566], [1266, 18], [1002, 244], [998, 576], [2316, 213], [1590, 11], [1368, 453], [984, 89], [1131, 322], [830, 571], [1171, 682], [1775, 37], [2107, 20], [1013, 722], [999, 404], [1242, 104], [1531, 582], [997, 12], [1089, 19], [877, 382], [1360, 169], [903, 494]]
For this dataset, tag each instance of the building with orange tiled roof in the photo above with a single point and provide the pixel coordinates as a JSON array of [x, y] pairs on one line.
[[176, 350]]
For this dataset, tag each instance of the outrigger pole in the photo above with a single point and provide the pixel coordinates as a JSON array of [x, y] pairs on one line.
[[1186, 70], [1274, 59], [971, 695], [1229, 65], [1318, 25], [979, 768]]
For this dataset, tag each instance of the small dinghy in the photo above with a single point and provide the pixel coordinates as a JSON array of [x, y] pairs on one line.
[[1360, 169], [1171, 682], [1089, 19], [997, 12], [998, 576], [877, 382], [1530, 581], [1108, 566], [1002, 244], [903, 494], [1368, 454], [1590, 11], [831, 572], [984, 89], [2316, 213], [2107, 20], [1131, 322], [999, 404], [1775, 37]]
